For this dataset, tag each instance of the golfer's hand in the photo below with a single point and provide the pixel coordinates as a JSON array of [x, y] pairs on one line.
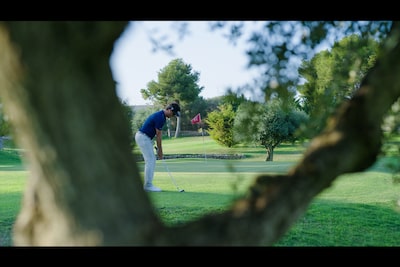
[[160, 154]]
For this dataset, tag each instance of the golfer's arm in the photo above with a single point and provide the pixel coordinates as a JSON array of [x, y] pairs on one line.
[[158, 141]]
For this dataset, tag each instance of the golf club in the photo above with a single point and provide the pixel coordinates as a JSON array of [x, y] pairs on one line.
[[170, 175]]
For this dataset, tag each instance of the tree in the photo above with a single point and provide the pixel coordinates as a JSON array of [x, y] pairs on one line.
[[233, 99], [177, 81], [4, 126], [129, 113], [82, 187], [333, 76], [268, 124], [220, 125], [140, 116]]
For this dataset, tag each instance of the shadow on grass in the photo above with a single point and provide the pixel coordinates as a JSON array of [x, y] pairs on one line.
[[325, 224]]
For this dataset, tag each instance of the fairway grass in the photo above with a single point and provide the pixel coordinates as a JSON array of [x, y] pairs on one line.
[[359, 209], [12, 183]]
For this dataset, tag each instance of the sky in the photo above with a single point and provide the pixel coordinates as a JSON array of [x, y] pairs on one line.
[[219, 63]]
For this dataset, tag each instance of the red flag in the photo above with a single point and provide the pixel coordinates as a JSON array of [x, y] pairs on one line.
[[196, 119]]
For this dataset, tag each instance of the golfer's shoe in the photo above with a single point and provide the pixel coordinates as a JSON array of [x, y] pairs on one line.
[[152, 188]]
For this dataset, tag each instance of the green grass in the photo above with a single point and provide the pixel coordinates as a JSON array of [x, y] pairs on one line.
[[12, 181], [357, 210]]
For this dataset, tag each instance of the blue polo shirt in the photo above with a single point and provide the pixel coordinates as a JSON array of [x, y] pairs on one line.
[[153, 122]]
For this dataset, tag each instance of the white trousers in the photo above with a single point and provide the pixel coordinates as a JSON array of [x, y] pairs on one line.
[[146, 147]]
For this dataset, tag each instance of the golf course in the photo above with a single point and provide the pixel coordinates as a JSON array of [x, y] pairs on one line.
[[359, 209]]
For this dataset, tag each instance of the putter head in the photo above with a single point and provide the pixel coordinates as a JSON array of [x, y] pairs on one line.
[[181, 190]]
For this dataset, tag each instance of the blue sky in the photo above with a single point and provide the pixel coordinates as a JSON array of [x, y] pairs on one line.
[[219, 63]]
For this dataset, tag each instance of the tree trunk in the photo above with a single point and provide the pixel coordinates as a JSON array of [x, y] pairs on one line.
[[82, 185], [178, 127], [270, 153], [169, 128]]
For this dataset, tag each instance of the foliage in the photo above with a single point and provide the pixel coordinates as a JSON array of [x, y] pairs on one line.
[[177, 80], [140, 116], [247, 125], [197, 106], [391, 128], [213, 103], [276, 47], [332, 77], [233, 99], [5, 128], [220, 123], [129, 113], [268, 124]]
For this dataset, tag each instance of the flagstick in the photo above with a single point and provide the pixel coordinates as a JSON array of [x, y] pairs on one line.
[[205, 155], [197, 120]]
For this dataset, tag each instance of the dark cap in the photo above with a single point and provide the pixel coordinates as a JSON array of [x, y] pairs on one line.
[[176, 109]]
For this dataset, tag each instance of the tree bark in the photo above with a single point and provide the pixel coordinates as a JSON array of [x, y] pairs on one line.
[[178, 127], [84, 184]]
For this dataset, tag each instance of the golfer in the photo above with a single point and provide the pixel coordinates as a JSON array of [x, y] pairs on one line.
[[152, 127]]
